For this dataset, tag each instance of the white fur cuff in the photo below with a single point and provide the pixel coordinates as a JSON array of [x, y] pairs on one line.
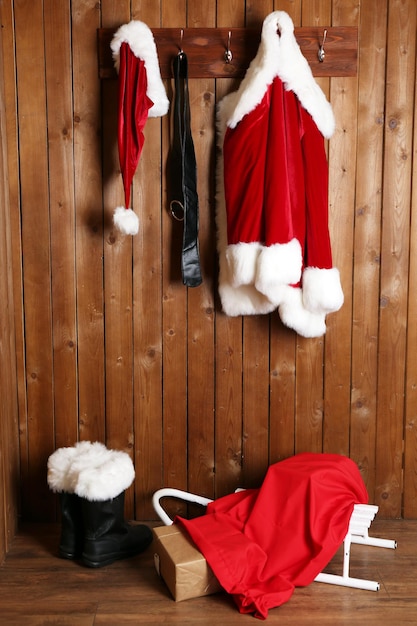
[[58, 466], [91, 471], [244, 300], [241, 261], [102, 475], [278, 265], [322, 291], [294, 315]]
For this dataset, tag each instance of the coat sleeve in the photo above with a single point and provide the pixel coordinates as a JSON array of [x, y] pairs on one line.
[[317, 240]]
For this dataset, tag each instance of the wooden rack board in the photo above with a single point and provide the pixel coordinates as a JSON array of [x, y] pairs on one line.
[[206, 47]]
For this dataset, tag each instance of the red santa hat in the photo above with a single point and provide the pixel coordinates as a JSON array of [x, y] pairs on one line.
[[272, 211], [141, 95]]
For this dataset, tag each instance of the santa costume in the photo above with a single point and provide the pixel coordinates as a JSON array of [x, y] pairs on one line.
[[141, 95], [272, 210]]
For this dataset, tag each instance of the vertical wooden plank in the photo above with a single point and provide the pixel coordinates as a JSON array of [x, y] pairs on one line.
[[256, 12], [10, 120], [401, 60], [147, 290], [228, 340], [6, 332], [118, 305], [256, 353], [174, 312], [309, 395], [200, 363], [292, 7], [9, 457], [410, 431], [282, 349], [255, 399], [342, 171], [36, 250], [367, 235], [282, 391], [89, 220], [309, 352], [5, 329], [62, 219]]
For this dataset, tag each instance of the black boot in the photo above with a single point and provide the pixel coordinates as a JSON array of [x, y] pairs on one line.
[[107, 537], [60, 481], [72, 531]]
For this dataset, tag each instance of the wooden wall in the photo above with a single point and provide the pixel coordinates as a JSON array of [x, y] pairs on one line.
[[110, 346]]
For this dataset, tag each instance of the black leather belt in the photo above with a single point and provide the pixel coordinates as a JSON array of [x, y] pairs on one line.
[[184, 205]]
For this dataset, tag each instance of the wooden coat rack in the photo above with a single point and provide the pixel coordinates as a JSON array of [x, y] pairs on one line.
[[206, 47]]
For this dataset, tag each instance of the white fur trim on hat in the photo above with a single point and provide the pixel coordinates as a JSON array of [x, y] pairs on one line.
[[279, 55], [140, 39], [294, 315], [126, 221], [322, 291]]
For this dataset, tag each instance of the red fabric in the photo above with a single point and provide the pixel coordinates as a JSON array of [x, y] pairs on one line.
[[276, 177], [262, 543], [133, 109]]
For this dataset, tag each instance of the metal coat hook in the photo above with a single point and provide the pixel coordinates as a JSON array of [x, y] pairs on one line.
[[321, 53], [228, 55]]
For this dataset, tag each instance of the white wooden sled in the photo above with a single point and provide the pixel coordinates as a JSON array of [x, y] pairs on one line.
[[358, 532], [360, 522]]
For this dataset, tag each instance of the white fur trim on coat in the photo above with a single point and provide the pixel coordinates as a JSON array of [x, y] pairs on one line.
[[278, 265], [140, 39], [294, 315], [279, 55], [243, 300], [322, 291], [241, 260]]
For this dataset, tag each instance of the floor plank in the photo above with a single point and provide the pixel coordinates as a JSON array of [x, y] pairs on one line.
[[37, 588]]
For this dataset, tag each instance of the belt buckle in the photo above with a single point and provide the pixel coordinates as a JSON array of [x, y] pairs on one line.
[[177, 210]]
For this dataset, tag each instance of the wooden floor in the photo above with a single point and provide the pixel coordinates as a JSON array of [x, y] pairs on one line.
[[38, 588]]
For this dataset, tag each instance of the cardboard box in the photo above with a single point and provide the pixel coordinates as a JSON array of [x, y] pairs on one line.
[[181, 565]]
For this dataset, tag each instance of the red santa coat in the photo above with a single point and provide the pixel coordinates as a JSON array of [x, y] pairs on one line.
[[262, 543], [272, 214]]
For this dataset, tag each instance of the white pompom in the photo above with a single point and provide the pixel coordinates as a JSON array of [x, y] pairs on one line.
[[126, 221]]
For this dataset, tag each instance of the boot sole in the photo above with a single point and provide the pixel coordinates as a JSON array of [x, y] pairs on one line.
[[70, 556], [108, 559]]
